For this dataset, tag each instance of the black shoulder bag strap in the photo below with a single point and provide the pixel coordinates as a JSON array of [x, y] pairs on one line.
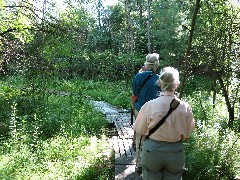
[[174, 104]]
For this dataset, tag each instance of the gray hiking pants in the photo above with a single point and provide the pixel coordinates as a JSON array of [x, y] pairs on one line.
[[162, 160]]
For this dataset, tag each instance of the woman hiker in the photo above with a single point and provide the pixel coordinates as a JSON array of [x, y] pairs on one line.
[[145, 87], [162, 155]]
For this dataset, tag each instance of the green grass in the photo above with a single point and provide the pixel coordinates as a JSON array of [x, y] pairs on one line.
[[58, 158], [58, 137], [62, 137]]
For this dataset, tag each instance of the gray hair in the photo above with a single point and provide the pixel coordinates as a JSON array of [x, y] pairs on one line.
[[169, 79], [152, 61]]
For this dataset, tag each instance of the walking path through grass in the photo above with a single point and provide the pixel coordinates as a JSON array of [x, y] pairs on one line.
[[121, 137]]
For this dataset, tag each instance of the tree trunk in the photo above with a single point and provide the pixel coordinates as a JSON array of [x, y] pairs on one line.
[[127, 11], [99, 13], [187, 55], [140, 4], [129, 36], [227, 100], [148, 26], [214, 91]]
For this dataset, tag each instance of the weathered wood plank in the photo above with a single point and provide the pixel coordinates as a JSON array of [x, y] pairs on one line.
[[121, 141]]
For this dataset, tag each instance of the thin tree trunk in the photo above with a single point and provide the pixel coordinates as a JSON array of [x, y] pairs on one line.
[[99, 13], [140, 4], [214, 91], [129, 35], [148, 26], [127, 11], [227, 100], [187, 55]]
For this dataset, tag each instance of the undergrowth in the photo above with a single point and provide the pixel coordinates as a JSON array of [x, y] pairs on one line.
[[62, 136], [51, 136]]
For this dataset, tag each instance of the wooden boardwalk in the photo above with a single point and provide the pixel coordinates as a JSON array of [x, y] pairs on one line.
[[121, 140]]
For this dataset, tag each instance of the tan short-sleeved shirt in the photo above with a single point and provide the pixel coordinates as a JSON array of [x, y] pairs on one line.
[[178, 125]]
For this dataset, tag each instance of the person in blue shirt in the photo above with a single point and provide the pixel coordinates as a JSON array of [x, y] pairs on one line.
[[145, 87]]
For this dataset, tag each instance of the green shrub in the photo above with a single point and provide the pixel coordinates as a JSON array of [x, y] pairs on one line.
[[116, 93], [212, 151]]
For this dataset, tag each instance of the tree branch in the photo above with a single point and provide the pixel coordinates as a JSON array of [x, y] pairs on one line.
[[21, 29]]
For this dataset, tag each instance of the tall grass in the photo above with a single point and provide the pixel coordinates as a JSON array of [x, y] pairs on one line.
[[52, 136], [213, 150], [58, 158], [61, 137]]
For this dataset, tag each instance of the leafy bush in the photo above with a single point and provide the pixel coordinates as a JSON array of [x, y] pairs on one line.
[[70, 127], [211, 155], [97, 66], [212, 151]]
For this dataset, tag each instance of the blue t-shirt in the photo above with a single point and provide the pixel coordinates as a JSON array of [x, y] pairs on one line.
[[149, 91]]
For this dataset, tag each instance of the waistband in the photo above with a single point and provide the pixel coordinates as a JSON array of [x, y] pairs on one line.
[[165, 142], [162, 146]]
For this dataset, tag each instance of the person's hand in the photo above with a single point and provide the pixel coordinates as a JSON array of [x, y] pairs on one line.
[[183, 138], [142, 69]]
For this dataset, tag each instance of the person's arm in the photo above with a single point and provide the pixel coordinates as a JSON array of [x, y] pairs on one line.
[[142, 69], [190, 124], [133, 100], [135, 86], [134, 96], [140, 125]]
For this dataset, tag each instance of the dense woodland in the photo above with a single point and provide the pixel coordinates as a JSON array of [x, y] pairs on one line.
[[83, 49]]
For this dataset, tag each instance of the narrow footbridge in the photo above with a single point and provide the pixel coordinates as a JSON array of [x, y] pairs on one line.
[[121, 140]]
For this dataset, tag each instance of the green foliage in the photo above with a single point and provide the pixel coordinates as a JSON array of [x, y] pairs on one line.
[[50, 113], [212, 153], [113, 31], [212, 150], [168, 32], [107, 66], [60, 137], [198, 83], [116, 93], [215, 50], [58, 158], [54, 51]]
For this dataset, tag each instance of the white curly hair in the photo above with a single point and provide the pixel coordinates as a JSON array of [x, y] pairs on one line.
[[169, 79], [152, 61]]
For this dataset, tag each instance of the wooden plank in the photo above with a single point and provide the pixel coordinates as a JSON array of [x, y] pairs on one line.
[[121, 147], [127, 145]]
